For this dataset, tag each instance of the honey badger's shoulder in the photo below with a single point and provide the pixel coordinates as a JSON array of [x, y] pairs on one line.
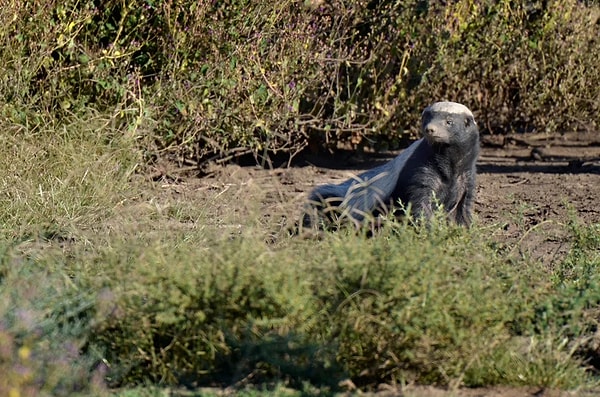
[[439, 168]]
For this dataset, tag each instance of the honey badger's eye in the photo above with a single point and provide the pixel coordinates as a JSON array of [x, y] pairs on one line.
[[449, 121], [467, 121]]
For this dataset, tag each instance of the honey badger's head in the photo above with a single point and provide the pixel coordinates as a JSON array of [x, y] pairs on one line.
[[449, 123]]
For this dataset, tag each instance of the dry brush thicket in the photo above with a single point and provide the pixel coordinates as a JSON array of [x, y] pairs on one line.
[[217, 80]]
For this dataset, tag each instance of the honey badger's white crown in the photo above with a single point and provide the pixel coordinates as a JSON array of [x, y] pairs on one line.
[[449, 107]]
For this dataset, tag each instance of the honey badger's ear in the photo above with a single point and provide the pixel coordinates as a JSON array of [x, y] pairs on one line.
[[469, 120]]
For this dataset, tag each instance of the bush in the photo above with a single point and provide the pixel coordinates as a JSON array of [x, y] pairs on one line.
[[403, 307], [521, 66], [216, 315], [218, 80]]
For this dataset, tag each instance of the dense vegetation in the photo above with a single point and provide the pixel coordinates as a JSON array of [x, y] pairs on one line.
[[215, 80], [103, 282]]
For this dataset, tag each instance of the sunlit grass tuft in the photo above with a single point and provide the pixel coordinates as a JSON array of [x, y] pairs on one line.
[[63, 178]]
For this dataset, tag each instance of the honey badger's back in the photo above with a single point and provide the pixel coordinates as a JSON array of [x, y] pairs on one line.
[[439, 168]]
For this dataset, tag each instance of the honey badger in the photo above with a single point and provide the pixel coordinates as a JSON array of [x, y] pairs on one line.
[[438, 169]]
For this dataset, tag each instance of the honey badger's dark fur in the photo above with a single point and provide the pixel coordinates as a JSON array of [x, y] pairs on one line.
[[438, 168]]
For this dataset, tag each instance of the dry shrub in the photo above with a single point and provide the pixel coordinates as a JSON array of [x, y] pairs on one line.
[[525, 66], [217, 80]]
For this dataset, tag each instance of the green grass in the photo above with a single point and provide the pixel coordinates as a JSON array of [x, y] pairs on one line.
[[106, 281], [63, 177]]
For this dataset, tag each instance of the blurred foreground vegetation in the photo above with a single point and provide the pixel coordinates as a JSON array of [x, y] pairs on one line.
[[104, 283]]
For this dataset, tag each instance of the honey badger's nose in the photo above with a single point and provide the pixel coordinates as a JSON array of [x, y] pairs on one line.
[[429, 130], [435, 133]]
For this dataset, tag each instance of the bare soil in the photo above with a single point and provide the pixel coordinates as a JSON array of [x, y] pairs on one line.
[[529, 186]]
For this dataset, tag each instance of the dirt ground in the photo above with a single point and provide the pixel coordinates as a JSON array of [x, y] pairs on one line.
[[528, 186]]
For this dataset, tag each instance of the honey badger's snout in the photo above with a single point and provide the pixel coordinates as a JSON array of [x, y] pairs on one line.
[[436, 132]]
